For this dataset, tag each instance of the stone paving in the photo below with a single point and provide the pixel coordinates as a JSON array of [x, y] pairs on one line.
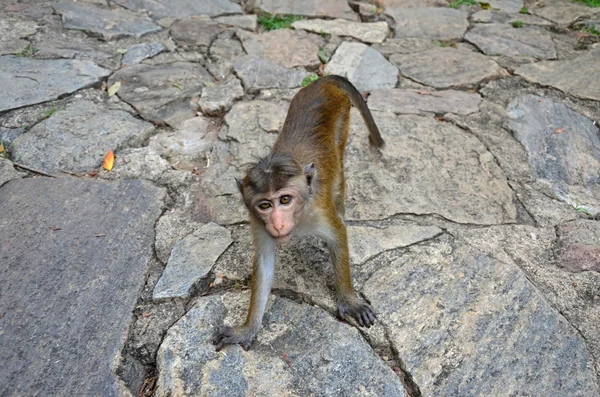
[[474, 233]]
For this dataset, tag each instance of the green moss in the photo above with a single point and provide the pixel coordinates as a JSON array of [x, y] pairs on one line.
[[272, 22], [517, 24], [309, 79]]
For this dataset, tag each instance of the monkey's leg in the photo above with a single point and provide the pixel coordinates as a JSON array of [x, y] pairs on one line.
[[263, 270], [348, 301]]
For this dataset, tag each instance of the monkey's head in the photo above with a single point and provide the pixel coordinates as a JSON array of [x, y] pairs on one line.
[[276, 191]]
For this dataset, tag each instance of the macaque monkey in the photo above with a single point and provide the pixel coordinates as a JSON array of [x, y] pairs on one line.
[[299, 189]]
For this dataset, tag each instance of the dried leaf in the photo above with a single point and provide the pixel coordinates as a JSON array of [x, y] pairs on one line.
[[54, 229], [559, 130], [180, 88], [485, 6], [112, 90], [122, 50], [109, 160], [286, 359]]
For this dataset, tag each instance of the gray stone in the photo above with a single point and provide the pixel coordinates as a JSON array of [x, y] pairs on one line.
[[191, 260], [308, 8], [285, 47], [248, 22], [508, 6], [13, 30], [363, 66], [178, 9], [499, 39], [578, 248], [258, 73], [426, 167], [403, 101], [223, 51], [106, 22], [391, 4], [76, 45], [195, 32], [218, 99], [162, 93], [546, 211], [172, 227], [74, 255], [300, 350], [468, 324], [138, 52], [447, 67], [8, 171], [562, 12], [403, 46], [563, 148], [367, 241], [429, 23], [571, 77], [364, 8], [7, 135], [374, 32], [27, 81], [172, 57], [77, 139], [250, 129]]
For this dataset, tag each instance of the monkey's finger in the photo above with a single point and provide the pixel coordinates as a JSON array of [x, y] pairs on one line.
[[366, 319], [358, 318], [371, 316]]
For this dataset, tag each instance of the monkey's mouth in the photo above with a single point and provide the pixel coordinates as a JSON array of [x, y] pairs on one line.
[[283, 239]]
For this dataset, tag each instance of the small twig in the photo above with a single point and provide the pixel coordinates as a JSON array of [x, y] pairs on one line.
[[34, 170], [70, 173]]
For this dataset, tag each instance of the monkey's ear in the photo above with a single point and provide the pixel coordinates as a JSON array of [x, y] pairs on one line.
[[240, 184], [310, 173]]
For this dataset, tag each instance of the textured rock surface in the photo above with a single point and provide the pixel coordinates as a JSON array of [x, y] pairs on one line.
[[300, 350], [502, 39], [195, 32], [562, 12], [77, 138], [572, 76], [71, 249], [375, 32], [12, 32], [429, 23], [28, 81], [473, 188], [578, 248], [468, 324], [403, 46], [218, 99], [178, 9], [563, 148], [285, 47], [258, 73], [402, 101], [8, 172], [508, 6], [363, 66], [248, 22], [107, 22], [162, 93], [191, 260], [223, 51], [309, 8], [138, 52], [447, 67]]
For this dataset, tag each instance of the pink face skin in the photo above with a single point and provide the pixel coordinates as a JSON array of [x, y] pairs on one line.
[[280, 211]]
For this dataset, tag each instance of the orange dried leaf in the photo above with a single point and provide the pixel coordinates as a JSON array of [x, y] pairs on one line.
[[559, 130], [109, 160]]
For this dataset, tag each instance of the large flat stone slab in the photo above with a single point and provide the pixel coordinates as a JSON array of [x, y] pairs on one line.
[[562, 12], [73, 258], [8, 171], [162, 93], [426, 167], [285, 47], [77, 138], [138, 52], [259, 73], [195, 32], [563, 148], [12, 32], [27, 81], [191, 260], [466, 324], [429, 23], [503, 39], [308, 8], [403, 101], [363, 66], [301, 350], [107, 22], [571, 77], [447, 67], [374, 32], [178, 9]]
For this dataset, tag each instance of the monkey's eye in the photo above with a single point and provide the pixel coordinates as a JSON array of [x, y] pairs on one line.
[[264, 205], [285, 199]]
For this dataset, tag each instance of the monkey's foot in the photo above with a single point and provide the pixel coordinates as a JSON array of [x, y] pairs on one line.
[[226, 335], [361, 311]]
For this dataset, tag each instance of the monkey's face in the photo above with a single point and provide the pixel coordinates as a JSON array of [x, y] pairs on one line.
[[280, 211]]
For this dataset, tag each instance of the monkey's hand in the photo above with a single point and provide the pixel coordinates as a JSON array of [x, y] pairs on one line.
[[226, 335], [361, 311]]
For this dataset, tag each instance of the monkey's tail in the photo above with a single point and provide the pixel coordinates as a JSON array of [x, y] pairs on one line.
[[358, 101]]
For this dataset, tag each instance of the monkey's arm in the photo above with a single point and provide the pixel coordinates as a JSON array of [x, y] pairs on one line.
[[263, 269]]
